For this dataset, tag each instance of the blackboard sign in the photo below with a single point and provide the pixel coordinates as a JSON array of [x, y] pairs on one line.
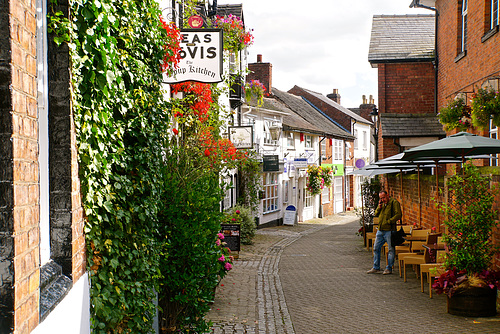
[[231, 236], [271, 163]]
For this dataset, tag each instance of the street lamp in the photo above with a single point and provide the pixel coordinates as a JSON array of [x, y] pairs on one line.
[[374, 117]]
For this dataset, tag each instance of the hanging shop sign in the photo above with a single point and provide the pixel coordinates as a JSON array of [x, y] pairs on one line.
[[300, 162], [241, 136], [201, 57], [271, 163]]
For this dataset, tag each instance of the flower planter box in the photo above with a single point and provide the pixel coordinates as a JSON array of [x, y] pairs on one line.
[[474, 302]]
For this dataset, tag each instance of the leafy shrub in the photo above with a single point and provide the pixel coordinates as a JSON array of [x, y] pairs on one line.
[[243, 216]]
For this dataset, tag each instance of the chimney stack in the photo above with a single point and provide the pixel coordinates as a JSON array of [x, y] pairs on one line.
[[335, 96], [262, 72], [367, 107]]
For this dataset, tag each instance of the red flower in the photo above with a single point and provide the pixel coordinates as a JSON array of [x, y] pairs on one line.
[[207, 152], [175, 131]]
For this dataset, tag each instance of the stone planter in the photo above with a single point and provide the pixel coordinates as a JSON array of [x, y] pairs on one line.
[[474, 302]]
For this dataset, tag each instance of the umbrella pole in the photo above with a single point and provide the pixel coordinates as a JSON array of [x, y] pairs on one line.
[[419, 198], [402, 197], [363, 215], [437, 196]]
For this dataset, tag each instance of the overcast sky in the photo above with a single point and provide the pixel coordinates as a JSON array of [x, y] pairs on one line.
[[319, 45]]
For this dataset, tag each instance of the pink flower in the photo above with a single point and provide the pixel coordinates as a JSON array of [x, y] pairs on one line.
[[237, 212], [233, 219], [433, 229], [228, 266], [231, 258], [220, 235], [222, 258], [217, 242]]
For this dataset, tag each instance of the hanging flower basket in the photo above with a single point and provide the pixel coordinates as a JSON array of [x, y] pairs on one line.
[[235, 36], [256, 89], [318, 177], [485, 106], [456, 115]]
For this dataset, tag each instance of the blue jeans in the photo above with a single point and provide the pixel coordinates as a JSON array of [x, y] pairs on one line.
[[382, 238]]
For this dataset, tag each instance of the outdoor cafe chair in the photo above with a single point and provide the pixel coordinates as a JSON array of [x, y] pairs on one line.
[[415, 246], [418, 259], [370, 236], [426, 268]]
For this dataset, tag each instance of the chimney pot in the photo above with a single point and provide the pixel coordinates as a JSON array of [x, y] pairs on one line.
[[259, 58], [364, 99]]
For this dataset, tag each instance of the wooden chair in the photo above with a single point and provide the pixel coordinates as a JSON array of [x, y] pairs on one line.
[[370, 236], [415, 246], [426, 268], [418, 259]]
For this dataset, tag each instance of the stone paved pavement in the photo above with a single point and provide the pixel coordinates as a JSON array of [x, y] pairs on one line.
[[310, 278]]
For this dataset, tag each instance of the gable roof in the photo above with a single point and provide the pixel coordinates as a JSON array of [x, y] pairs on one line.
[[397, 38], [335, 105], [411, 125], [306, 112]]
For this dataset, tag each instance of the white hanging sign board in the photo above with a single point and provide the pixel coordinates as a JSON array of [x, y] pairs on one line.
[[201, 57]]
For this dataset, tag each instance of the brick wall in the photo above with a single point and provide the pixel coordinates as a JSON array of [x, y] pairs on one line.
[[422, 209], [406, 88], [24, 138], [482, 59], [262, 72]]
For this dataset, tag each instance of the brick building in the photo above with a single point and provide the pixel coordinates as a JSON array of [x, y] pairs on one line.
[[402, 50], [43, 280]]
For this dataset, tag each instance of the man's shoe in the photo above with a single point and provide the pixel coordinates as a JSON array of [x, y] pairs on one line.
[[387, 272], [373, 271]]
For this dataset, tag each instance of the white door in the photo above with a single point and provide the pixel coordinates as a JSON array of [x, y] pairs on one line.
[[308, 204], [337, 195]]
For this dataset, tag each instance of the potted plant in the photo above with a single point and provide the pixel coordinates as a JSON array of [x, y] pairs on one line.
[[456, 115], [485, 106], [469, 282]]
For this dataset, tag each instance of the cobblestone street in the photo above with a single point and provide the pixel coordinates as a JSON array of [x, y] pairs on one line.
[[310, 278]]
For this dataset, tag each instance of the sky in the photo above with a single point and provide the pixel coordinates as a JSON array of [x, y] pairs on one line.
[[319, 45]]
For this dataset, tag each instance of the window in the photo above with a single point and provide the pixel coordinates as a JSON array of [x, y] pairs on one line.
[[290, 140], [308, 198], [325, 195], [228, 193], [43, 134], [309, 141], [270, 188], [323, 149], [337, 150], [365, 141], [463, 35], [494, 14], [355, 139]]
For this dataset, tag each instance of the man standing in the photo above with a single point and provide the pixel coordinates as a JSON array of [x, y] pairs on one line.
[[388, 213]]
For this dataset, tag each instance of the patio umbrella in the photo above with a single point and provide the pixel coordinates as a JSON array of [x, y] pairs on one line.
[[461, 145]]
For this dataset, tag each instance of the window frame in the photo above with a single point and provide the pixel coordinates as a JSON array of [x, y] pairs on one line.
[[270, 188], [290, 137], [463, 26], [308, 141], [494, 18]]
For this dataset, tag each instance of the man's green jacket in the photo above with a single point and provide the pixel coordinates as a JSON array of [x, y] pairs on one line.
[[388, 215]]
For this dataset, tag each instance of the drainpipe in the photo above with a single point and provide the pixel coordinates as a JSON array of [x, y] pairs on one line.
[[417, 4], [320, 213]]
